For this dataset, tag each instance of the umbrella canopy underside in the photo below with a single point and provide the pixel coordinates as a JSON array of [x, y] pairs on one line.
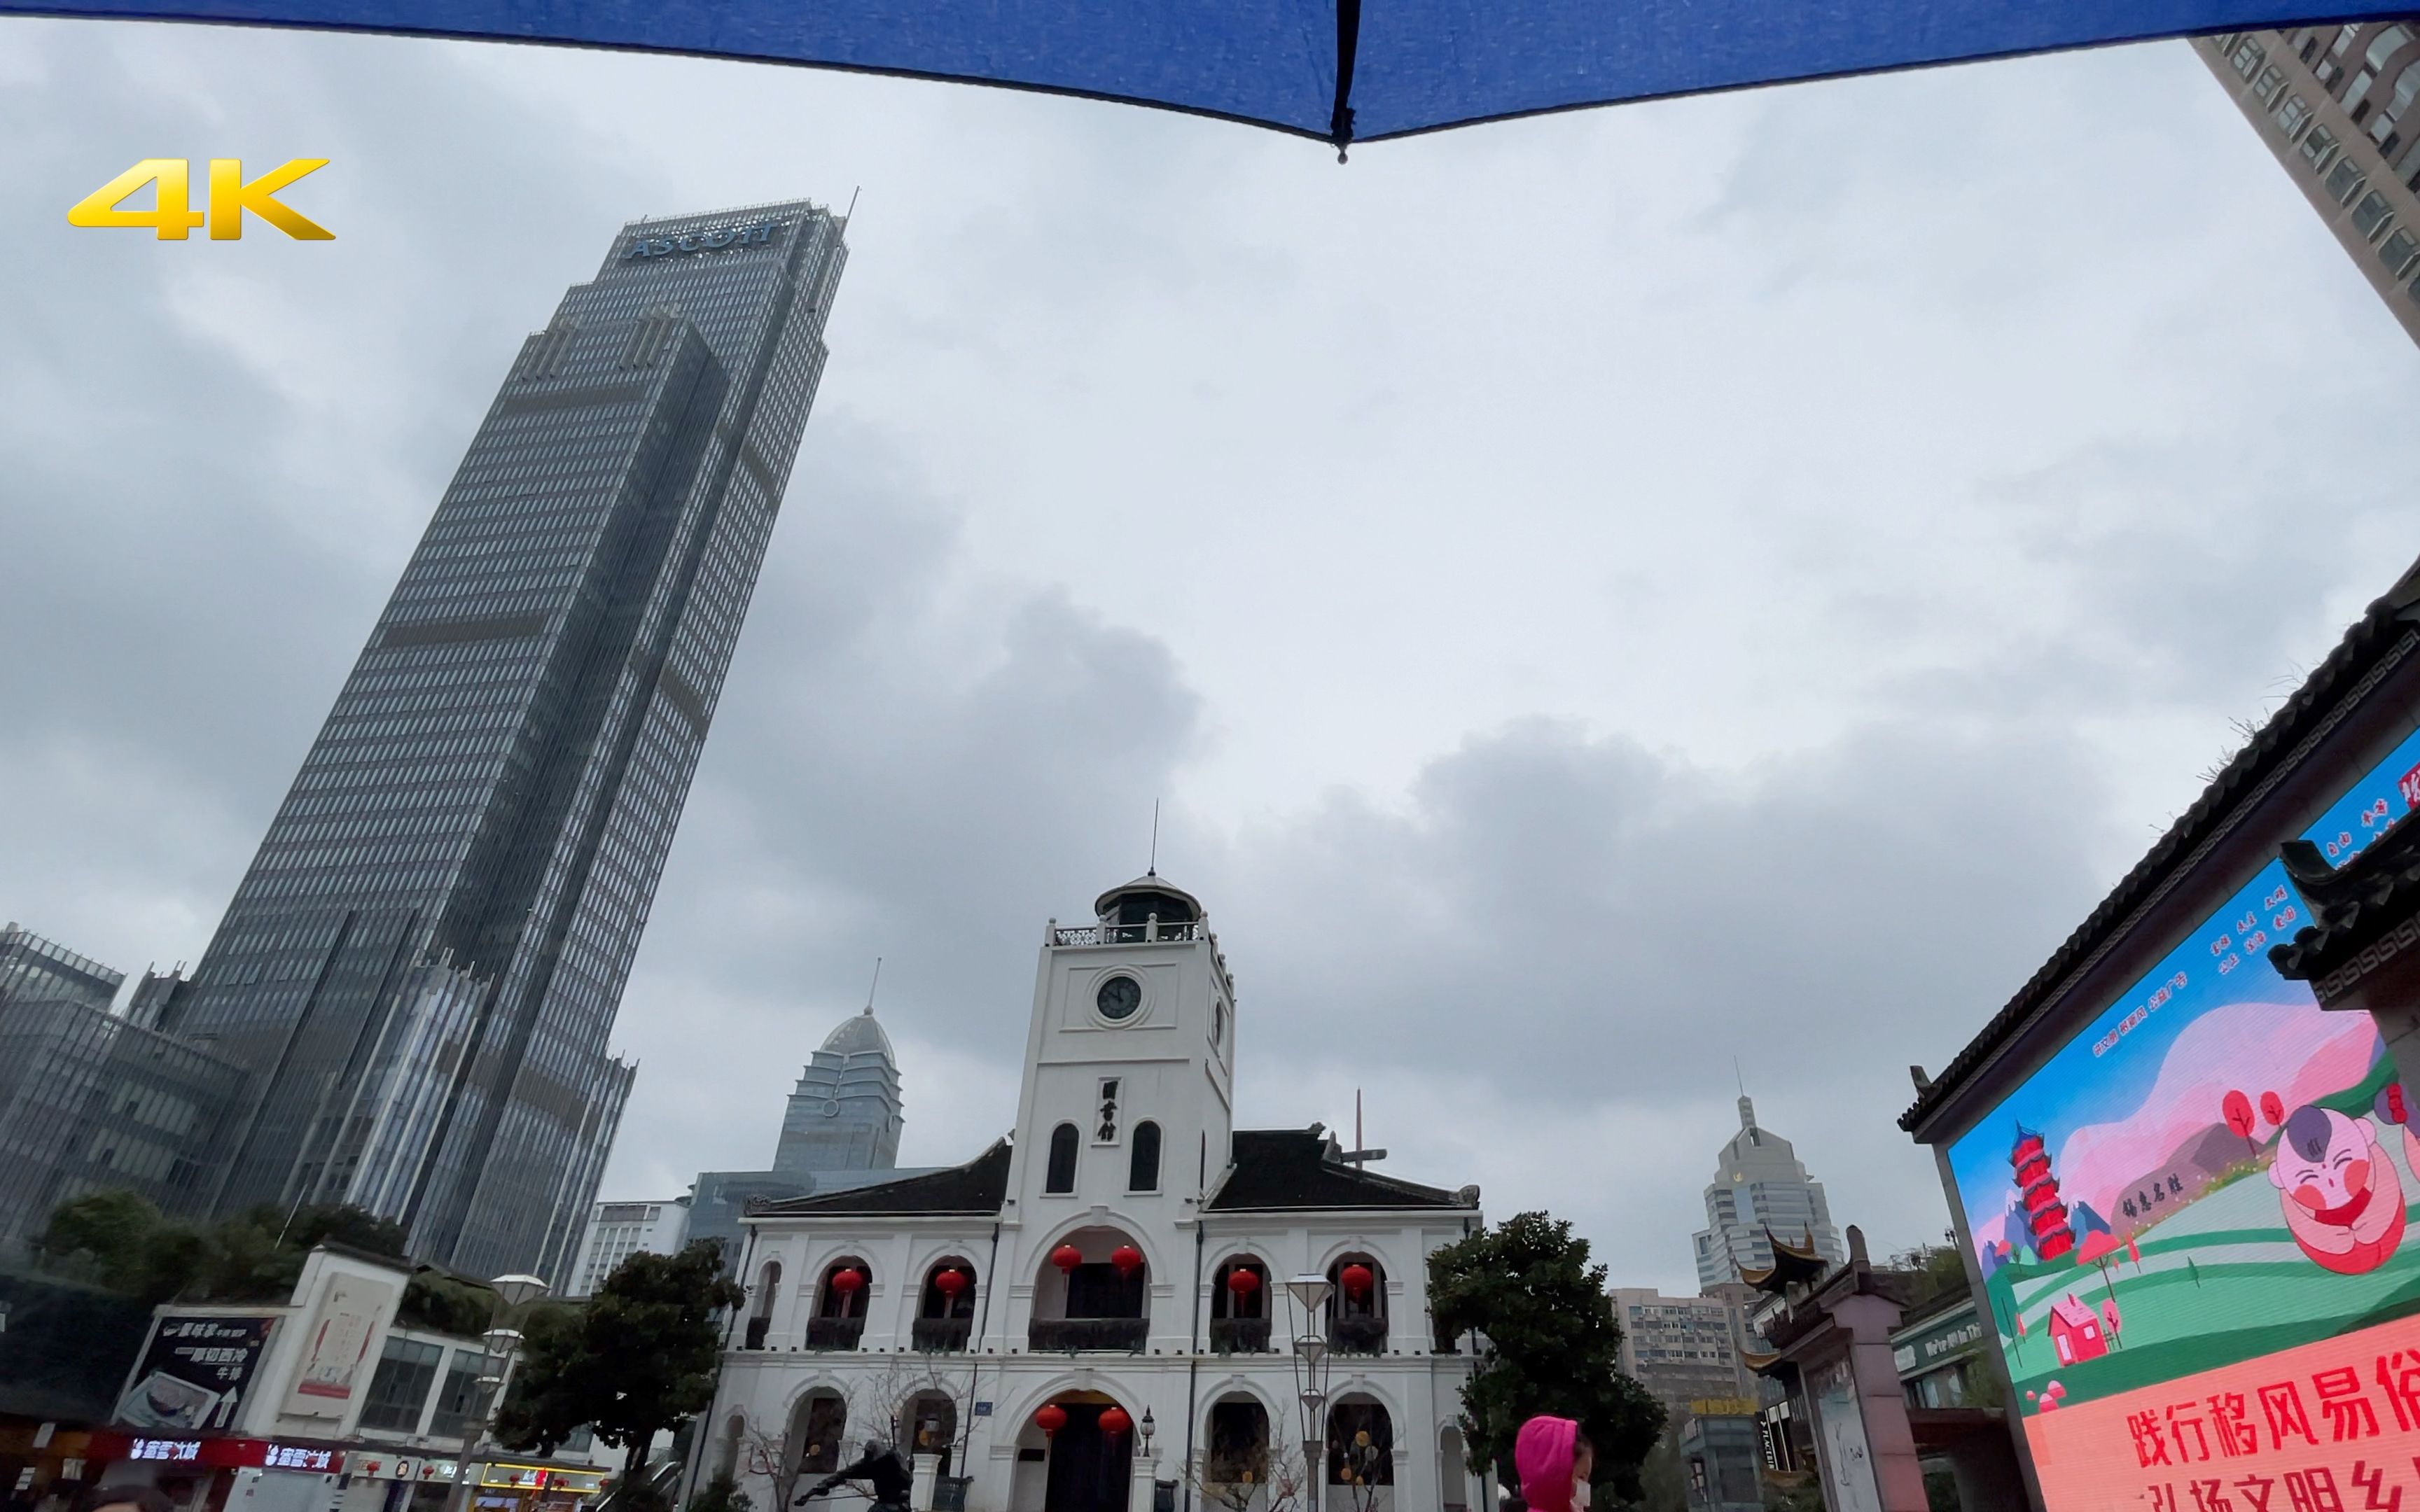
[[1407, 65]]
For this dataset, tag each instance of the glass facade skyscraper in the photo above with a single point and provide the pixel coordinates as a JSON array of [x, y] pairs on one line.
[[422, 964]]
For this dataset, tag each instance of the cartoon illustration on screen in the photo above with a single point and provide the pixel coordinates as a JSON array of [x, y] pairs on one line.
[[2341, 1196]]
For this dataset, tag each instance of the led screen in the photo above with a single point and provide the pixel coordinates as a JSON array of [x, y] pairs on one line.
[[2192, 1226]]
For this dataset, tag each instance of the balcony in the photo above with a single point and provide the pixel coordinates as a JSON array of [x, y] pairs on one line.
[[1239, 1336], [1089, 1335], [1358, 1335], [834, 1333], [1150, 933], [943, 1336]]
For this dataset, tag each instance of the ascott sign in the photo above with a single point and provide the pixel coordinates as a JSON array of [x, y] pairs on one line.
[[688, 243], [2191, 1222]]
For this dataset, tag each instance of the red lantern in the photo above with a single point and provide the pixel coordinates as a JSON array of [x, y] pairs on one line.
[[846, 1282], [1243, 1282], [1066, 1257], [1127, 1258], [950, 1283], [1115, 1422], [1357, 1279], [1050, 1419]]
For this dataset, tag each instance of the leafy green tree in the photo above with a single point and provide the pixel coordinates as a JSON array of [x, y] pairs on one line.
[[635, 1360], [121, 1239], [1552, 1346]]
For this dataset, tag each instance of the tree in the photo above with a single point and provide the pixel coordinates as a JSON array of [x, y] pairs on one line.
[[635, 1360], [1551, 1346]]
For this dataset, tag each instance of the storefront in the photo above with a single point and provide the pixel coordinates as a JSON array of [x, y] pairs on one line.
[[223, 1474], [508, 1486]]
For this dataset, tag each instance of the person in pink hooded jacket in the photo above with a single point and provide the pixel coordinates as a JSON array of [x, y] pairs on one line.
[[1554, 1458]]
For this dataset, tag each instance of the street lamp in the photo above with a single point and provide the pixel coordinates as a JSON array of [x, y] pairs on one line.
[[500, 1345], [1313, 1361]]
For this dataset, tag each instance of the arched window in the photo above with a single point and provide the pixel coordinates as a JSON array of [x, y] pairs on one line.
[[1360, 1444], [1357, 1310], [1239, 1309], [818, 1427], [839, 1321], [1142, 1169], [945, 1314], [1239, 1445], [1059, 1176], [760, 1313]]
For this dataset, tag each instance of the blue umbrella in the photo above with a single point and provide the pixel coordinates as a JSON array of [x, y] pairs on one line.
[[1337, 70]]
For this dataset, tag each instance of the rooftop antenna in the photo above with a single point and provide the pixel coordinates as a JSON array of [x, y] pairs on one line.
[[1155, 839], [1738, 1076], [850, 214], [870, 986]]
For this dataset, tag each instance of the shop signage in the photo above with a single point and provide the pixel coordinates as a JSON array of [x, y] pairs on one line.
[[215, 1454], [542, 1478], [194, 1372], [1722, 1406], [1951, 1339], [295, 1457]]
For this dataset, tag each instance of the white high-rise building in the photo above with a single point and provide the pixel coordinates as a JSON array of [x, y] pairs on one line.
[[617, 1230], [1759, 1188]]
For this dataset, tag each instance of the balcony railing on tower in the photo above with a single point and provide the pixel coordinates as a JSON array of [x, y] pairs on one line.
[[1150, 933]]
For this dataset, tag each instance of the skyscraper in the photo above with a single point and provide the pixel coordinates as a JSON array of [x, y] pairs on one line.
[[2334, 104], [845, 1114], [424, 962], [1760, 1186]]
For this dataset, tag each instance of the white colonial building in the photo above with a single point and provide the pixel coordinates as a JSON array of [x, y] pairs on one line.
[[1093, 1315]]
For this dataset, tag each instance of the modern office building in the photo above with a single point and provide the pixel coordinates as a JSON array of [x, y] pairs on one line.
[[34, 969], [91, 1101], [844, 1114], [2334, 104], [839, 1130], [617, 1230], [425, 960], [1759, 1188]]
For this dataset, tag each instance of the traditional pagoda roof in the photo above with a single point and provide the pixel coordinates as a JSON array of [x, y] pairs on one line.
[[1791, 1264], [2368, 646], [1280, 1170], [2355, 908], [972, 1190]]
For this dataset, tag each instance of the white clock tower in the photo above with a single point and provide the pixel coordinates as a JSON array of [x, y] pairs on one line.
[[1129, 1085]]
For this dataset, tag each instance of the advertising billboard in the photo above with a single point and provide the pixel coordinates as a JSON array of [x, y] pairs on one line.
[[193, 1373], [337, 1363], [2191, 1223]]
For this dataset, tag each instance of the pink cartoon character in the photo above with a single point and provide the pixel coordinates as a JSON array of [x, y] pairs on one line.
[[2341, 1196]]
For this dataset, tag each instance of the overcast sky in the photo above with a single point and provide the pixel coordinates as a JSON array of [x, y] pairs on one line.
[[1598, 596]]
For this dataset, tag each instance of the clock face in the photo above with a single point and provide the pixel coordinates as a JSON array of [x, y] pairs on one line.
[[1118, 998]]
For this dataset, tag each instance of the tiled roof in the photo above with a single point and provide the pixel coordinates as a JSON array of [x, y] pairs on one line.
[[2354, 907], [974, 1189], [2384, 625], [1302, 1169]]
